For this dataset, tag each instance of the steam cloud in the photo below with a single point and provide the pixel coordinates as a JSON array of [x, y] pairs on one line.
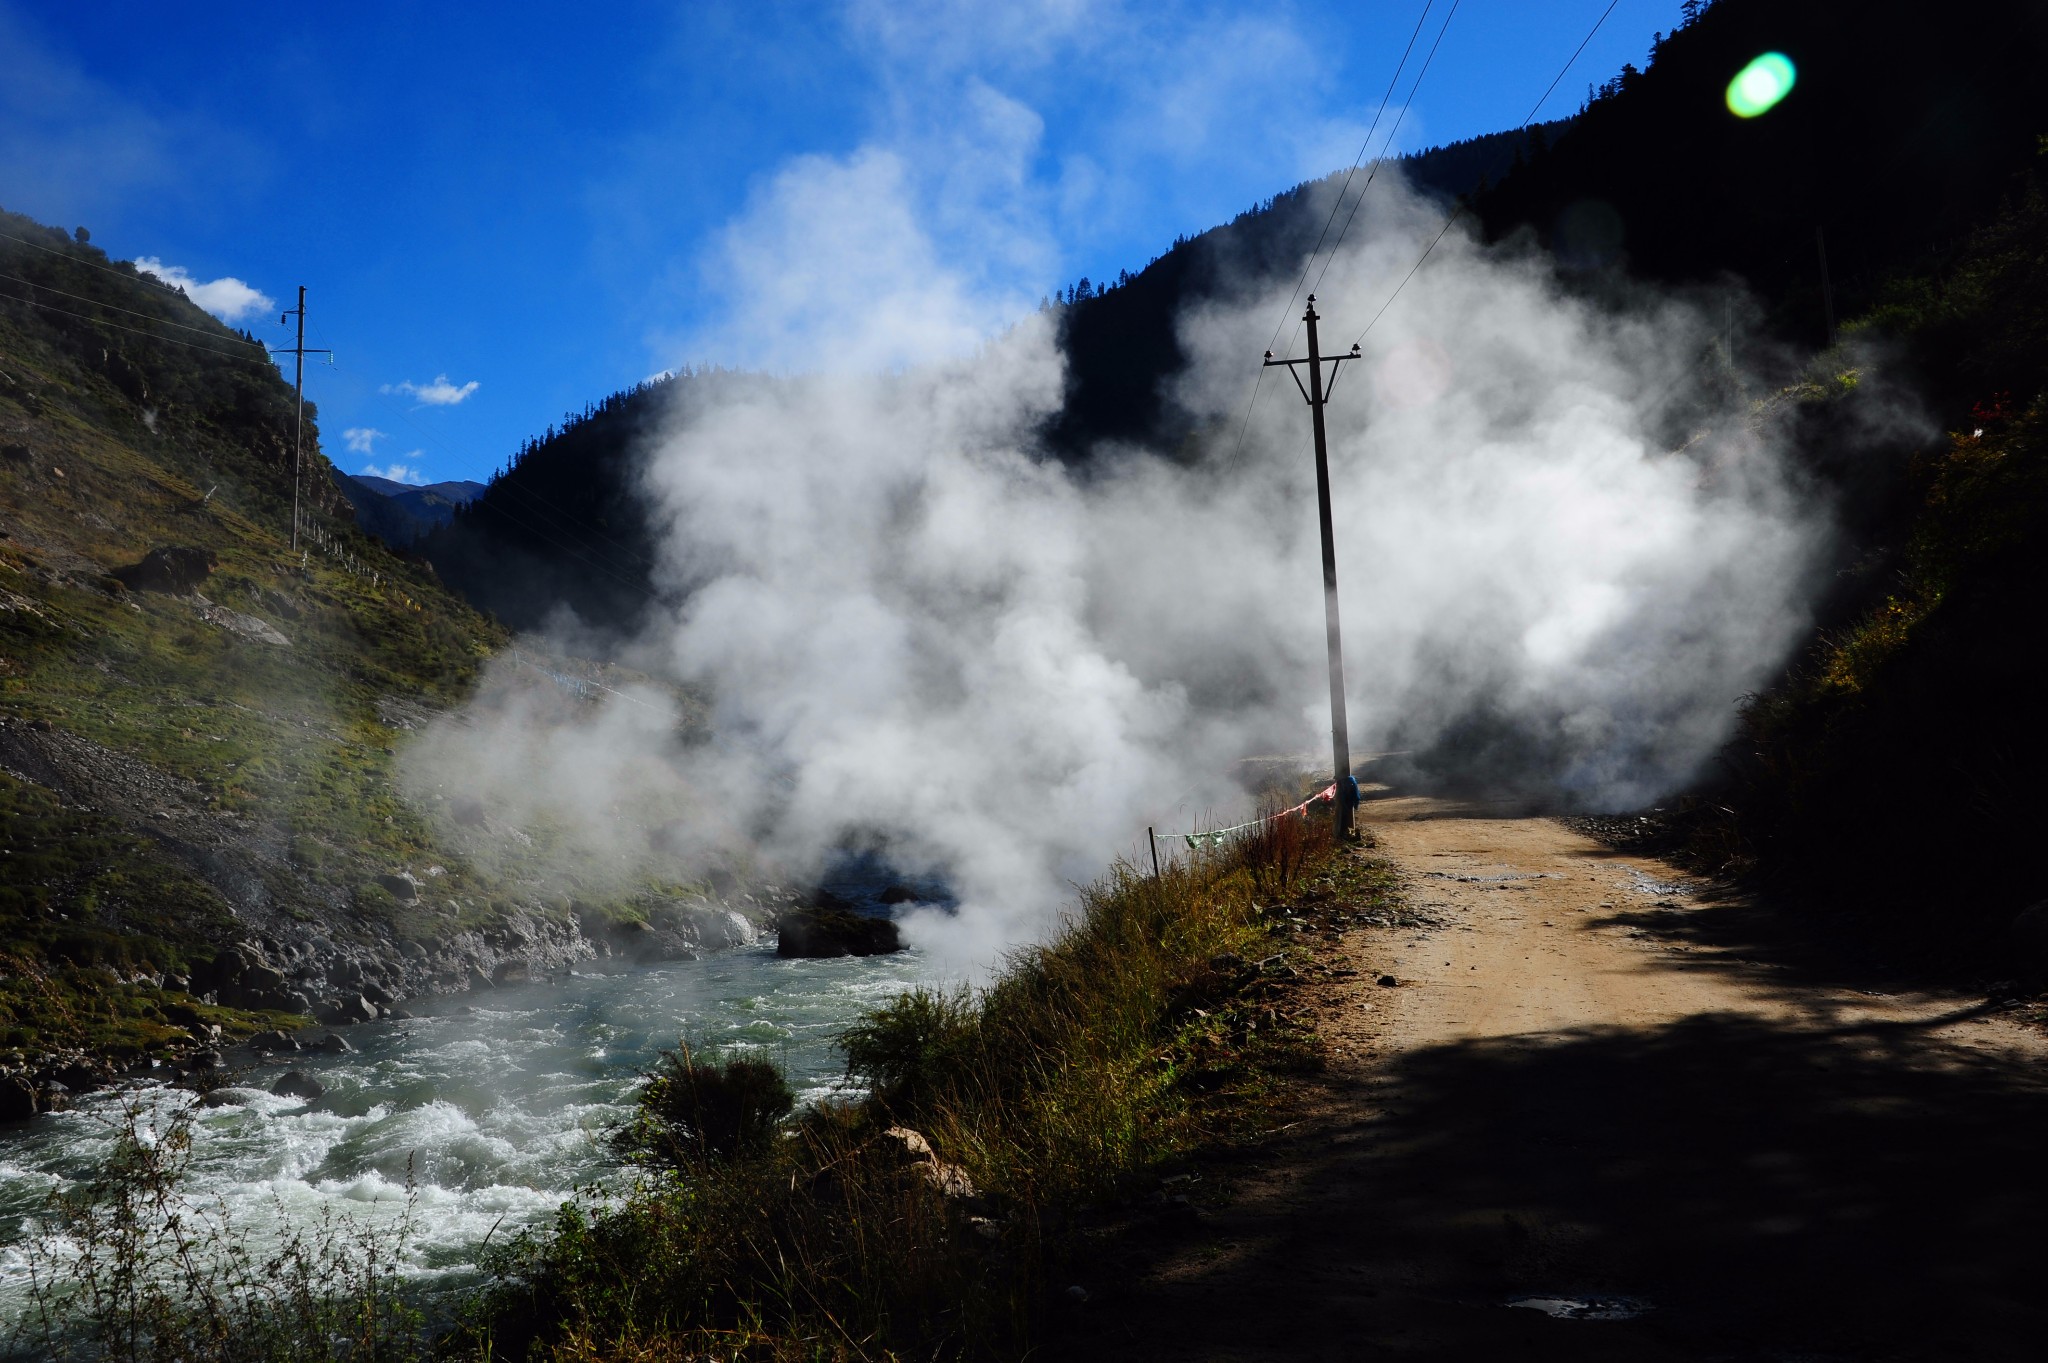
[[916, 629]]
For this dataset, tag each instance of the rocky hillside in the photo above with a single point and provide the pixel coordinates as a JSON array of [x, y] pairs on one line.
[[202, 835]]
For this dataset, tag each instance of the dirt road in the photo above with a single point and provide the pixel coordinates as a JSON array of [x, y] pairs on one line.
[[1599, 1092]]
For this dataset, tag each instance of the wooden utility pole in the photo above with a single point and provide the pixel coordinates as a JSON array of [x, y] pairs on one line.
[[1317, 396], [298, 353]]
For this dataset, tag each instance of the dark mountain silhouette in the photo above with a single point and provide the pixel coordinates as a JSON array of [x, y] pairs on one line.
[[399, 513]]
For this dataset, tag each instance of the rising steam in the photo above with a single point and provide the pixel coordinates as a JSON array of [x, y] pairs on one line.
[[914, 629]]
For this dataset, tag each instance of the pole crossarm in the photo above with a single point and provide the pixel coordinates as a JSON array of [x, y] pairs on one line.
[[1329, 388]]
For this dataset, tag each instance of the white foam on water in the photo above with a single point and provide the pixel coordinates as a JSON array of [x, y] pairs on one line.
[[470, 1126]]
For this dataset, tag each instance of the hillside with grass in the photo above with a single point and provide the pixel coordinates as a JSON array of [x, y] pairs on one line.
[[1897, 751], [198, 723]]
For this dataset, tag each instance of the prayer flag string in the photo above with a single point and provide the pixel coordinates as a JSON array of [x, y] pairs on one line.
[[1215, 836]]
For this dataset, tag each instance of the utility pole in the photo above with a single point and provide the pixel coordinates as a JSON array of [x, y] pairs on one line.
[[1317, 397], [298, 353]]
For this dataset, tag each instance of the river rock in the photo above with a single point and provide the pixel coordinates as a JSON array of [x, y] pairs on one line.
[[19, 1100], [345, 1010], [273, 1041], [908, 1149], [720, 929], [298, 1084], [824, 932], [332, 1044]]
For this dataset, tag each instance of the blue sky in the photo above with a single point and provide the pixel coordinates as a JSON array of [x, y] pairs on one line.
[[502, 213]]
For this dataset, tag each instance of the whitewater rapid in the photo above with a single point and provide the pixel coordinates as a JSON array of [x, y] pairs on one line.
[[492, 1118]]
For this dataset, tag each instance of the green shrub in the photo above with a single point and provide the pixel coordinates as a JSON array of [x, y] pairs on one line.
[[695, 1112]]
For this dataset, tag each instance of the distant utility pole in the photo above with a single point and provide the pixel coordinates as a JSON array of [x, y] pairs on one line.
[[298, 353], [1317, 397]]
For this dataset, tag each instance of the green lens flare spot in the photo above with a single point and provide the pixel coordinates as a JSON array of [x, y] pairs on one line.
[[1758, 87]]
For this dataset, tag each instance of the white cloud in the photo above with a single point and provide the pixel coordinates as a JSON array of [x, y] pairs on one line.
[[397, 472], [359, 439], [227, 298], [439, 393]]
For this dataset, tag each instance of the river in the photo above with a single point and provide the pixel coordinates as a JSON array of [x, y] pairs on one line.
[[495, 1115]]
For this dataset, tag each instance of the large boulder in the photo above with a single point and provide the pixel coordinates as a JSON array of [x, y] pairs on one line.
[[345, 1010], [173, 568], [719, 929], [298, 1084], [817, 931], [19, 1099]]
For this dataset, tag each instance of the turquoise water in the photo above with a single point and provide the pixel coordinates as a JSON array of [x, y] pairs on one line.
[[494, 1116]]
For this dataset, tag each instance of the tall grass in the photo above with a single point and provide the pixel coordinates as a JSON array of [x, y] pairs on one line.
[[134, 1270], [1092, 1060]]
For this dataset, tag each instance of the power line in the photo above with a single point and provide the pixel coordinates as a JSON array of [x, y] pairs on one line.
[[112, 307], [1391, 135], [131, 274], [611, 570], [1306, 265], [1458, 209], [1288, 311], [168, 340]]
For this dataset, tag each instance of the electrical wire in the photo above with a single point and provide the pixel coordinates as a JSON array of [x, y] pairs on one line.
[[168, 340], [110, 307], [1400, 118], [1458, 209], [611, 570], [1392, 81], [131, 274]]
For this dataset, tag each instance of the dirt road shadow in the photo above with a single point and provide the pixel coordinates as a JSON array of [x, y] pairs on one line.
[[1770, 1191]]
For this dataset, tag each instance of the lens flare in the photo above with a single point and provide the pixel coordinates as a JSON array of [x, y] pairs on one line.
[[1758, 87]]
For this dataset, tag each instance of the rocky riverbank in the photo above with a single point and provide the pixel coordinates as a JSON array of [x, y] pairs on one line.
[[275, 990]]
